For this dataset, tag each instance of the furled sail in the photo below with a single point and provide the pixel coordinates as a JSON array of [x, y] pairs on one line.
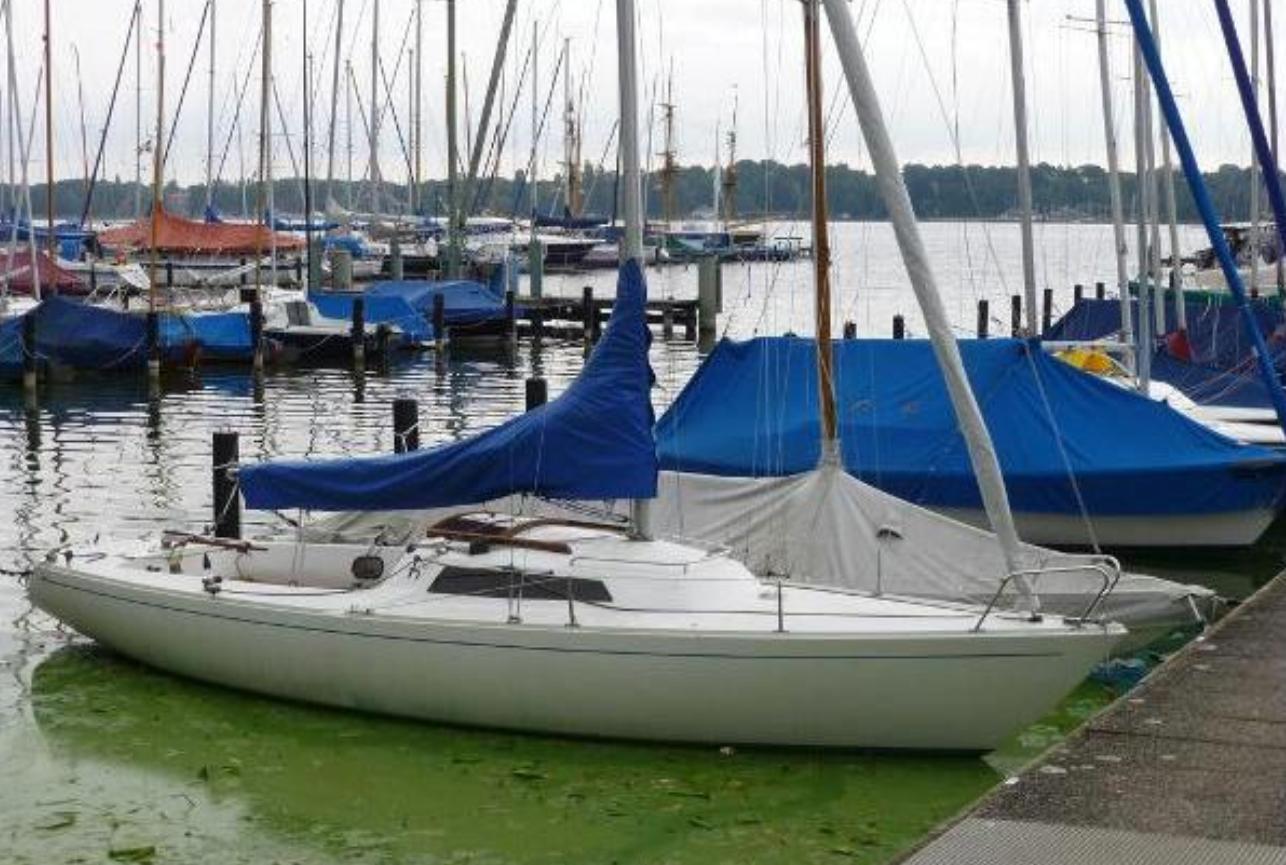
[[592, 442]]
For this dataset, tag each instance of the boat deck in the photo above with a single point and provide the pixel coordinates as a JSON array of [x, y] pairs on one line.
[[1188, 768]]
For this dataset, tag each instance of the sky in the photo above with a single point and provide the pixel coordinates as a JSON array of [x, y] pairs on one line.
[[941, 68]]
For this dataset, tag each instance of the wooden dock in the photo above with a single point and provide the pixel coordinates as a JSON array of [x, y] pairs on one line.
[[1190, 767]]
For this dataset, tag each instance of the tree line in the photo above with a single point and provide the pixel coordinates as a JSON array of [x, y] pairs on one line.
[[763, 188]]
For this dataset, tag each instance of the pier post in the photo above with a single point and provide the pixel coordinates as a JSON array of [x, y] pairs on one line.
[[511, 317], [299, 270], [536, 267], [1078, 294], [315, 265], [227, 503], [850, 330], [984, 318], [439, 321], [256, 331], [93, 278], [1016, 315], [667, 322], [899, 327], [29, 352], [396, 268], [169, 274], [1047, 318], [406, 426], [537, 392], [359, 331], [536, 316], [241, 278], [707, 296], [589, 315], [341, 269], [153, 344]]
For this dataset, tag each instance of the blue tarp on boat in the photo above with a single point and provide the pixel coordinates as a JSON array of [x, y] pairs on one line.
[[751, 410], [390, 310], [592, 442], [409, 304]]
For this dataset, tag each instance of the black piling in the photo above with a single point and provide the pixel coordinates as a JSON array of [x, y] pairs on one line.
[[227, 503], [1047, 318], [93, 278], [1100, 291], [169, 274], [1078, 294], [984, 318], [537, 392], [1016, 315], [256, 329], [511, 317], [359, 330], [899, 327], [850, 330], [589, 315], [406, 426], [439, 320], [153, 339], [29, 351], [299, 270], [242, 278]]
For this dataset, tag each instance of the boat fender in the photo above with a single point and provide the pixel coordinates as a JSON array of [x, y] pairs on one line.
[[213, 585], [367, 568]]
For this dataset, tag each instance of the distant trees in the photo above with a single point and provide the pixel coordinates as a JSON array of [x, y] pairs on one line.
[[763, 188]]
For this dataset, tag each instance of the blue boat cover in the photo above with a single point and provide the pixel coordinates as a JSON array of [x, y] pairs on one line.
[[751, 410], [11, 348], [592, 442], [391, 310]]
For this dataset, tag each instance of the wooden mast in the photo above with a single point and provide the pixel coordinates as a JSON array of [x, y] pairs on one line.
[[821, 236]]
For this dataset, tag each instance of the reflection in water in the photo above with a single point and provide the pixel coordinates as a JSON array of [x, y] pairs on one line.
[[329, 784]]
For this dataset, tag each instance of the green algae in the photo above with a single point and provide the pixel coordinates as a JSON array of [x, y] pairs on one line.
[[124, 758]]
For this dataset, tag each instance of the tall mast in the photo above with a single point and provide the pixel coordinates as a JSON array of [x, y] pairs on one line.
[[265, 131], [1114, 181], [535, 119], [308, 146], [138, 112], [571, 135], [348, 129], [1171, 212], [821, 233], [158, 156], [49, 135], [374, 121], [334, 102], [668, 166], [1143, 344], [209, 125], [729, 198], [892, 188], [1254, 158], [417, 106], [1024, 164], [1270, 59], [453, 153]]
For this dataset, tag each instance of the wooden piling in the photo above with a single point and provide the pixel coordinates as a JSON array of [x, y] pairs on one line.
[[359, 331], [899, 327], [708, 296], [396, 267], [589, 315], [1078, 294], [537, 392], [1100, 291], [226, 454], [439, 321], [1047, 318], [536, 267], [29, 366], [1016, 315], [984, 318], [341, 269], [153, 343], [406, 426], [850, 330]]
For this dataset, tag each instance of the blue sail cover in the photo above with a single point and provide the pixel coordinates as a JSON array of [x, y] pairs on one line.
[[751, 410], [592, 442], [409, 304]]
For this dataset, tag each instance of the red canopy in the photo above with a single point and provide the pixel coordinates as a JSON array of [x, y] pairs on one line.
[[175, 235], [53, 279]]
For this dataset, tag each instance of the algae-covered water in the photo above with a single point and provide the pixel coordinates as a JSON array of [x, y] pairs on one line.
[[104, 761]]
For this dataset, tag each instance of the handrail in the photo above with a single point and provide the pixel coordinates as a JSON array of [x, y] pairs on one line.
[[1108, 568]]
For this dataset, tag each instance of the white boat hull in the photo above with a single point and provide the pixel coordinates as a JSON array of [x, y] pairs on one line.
[[961, 691]]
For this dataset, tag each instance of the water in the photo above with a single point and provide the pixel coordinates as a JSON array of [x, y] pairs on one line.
[[100, 756]]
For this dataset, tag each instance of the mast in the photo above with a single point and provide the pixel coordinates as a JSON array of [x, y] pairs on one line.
[[1254, 157], [209, 113], [631, 186], [334, 102], [138, 112], [348, 128], [1270, 59], [1024, 165], [1143, 344], [417, 106], [892, 188], [821, 233], [158, 156], [488, 104], [669, 169], [535, 118], [49, 137], [453, 154], [1114, 182], [308, 168], [1171, 213], [571, 136], [729, 198], [374, 121], [265, 130]]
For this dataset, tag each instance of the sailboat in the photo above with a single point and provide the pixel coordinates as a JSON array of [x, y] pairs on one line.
[[568, 626]]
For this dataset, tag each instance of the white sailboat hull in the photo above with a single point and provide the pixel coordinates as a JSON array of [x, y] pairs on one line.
[[1226, 529], [962, 691]]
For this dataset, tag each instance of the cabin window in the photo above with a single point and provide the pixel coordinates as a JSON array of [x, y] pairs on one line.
[[498, 584]]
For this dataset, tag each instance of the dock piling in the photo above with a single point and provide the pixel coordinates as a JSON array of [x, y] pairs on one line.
[[359, 331], [589, 315], [439, 321], [707, 296], [341, 270], [511, 317], [406, 426], [984, 317], [153, 343], [1016, 315], [227, 503], [899, 327], [1047, 318], [850, 330], [29, 352], [536, 267], [314, 265], [537, 392], [1100, 291], [397, 269], [1078, 294], [256, 330]]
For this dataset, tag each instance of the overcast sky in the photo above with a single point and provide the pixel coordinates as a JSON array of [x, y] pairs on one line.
[[937, 63]]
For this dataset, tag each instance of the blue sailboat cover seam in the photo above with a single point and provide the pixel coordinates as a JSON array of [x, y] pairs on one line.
[[592, 442], [751, 411]]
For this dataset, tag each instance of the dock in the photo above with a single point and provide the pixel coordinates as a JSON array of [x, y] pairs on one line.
[[1187, 768]]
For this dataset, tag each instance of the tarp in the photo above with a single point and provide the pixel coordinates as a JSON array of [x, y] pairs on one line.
[[392, 310], [1062, 436], [175, 235], [53, 279], [464, 301], [592, 442]]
